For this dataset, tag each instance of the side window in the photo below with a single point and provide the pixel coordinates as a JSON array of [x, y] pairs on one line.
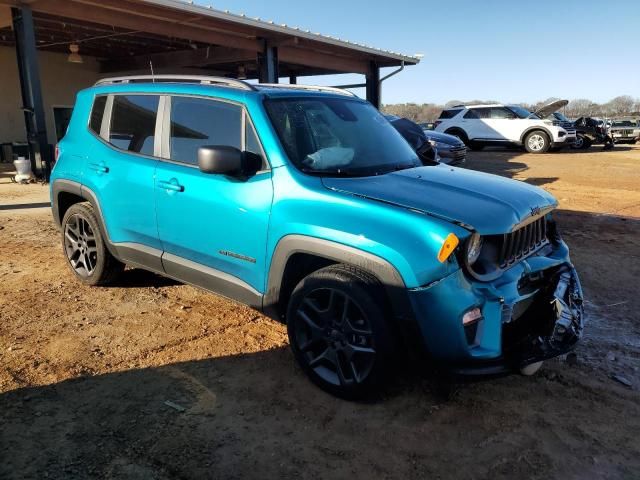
[[133, 122], [500, 113], [252, 143], [476, 113], [197, 122], [97, 112]]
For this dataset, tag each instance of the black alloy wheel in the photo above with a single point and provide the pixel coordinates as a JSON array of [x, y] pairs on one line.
[[338, 333], [80, 245], [84, 247]]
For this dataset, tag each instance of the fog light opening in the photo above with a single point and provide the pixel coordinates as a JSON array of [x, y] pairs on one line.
[[472, 316]]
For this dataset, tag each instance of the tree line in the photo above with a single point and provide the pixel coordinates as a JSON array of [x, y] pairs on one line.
[[623, 105]]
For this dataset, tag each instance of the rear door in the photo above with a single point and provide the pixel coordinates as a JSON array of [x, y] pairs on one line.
[[213, 227], [474, 123], [120, 172]]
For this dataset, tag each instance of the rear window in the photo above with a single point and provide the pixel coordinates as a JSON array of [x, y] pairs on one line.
[[449, 113], [133, 123], [97, 112]]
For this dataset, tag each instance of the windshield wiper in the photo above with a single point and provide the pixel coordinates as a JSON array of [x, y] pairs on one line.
[[336, 172], [396, 168]]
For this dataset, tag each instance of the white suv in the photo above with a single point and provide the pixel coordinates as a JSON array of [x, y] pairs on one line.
[[495, 124]]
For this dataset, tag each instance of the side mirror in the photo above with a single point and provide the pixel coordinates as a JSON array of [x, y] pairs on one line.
[[228, 160], [219, 159]]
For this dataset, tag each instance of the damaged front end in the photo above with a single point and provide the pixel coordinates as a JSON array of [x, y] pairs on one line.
[[548, 324], [520, 303]]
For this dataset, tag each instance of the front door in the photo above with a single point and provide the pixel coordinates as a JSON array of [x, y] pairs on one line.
[[503, 125], [213, 227]]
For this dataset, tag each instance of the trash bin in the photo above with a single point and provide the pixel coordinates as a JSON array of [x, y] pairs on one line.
[[23, 170]]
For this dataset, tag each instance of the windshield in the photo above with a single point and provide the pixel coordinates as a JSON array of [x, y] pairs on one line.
[[561, 117], [522, 112], [336, 136]]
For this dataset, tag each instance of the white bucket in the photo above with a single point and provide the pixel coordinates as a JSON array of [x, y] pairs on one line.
[[23, 169]]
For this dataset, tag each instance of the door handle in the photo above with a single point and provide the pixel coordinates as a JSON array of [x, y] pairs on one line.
[[99, 168], [172, 185]]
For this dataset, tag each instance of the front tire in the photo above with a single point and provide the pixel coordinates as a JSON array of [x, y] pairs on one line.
[[537, 142], [531, 369], [338, 332], [85, 249], [581, 143]]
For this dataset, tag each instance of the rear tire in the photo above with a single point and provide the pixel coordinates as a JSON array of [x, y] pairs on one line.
[[537, 142], [338, 332], [85, 249]]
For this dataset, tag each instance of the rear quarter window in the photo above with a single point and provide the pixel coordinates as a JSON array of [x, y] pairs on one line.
[[97, 112], [449, 113]]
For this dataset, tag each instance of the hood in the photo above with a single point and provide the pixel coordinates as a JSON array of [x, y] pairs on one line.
[[486, 203], [548, 109], [443, 138]]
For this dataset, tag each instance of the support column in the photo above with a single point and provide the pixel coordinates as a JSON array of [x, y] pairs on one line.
[[24, 31], [268, 64], [373, 84], [293, 79]]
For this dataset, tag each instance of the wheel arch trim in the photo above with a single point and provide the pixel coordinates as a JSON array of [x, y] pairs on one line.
[[69, 186], [290, 245]]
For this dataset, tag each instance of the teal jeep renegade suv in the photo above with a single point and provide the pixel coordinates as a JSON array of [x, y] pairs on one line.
[[305, 203]]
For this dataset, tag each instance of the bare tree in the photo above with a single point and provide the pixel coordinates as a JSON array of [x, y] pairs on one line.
[[621, 105]]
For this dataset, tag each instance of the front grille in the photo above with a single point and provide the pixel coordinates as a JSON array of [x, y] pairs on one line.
[[523, 242]]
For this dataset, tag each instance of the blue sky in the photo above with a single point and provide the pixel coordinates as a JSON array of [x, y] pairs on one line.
[[512, 51]]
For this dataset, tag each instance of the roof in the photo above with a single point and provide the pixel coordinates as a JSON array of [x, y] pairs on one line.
[[272, 26], [129, 35], [474, 105]]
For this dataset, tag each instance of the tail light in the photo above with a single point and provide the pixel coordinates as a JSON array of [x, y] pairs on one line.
[[56, 153]]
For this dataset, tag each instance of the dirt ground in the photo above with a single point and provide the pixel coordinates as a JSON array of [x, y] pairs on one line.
[[85, 373]]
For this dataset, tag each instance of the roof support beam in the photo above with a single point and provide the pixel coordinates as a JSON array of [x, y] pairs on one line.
[[184, 58], [373, 85], [138, 23], [30, 87], [268, 65]]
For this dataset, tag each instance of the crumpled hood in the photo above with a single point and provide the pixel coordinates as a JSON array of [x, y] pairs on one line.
[[488, 203]]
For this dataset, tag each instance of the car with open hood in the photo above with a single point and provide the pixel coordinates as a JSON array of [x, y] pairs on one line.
[[481, 125], [306, 204]]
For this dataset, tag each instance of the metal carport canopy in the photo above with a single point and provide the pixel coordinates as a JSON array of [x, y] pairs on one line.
[[237, 38], [130, 35]]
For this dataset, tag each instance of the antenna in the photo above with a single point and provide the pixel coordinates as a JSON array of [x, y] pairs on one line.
[[153, 78]]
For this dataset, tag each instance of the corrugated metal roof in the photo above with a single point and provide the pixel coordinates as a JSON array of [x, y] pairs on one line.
[[270, 26]]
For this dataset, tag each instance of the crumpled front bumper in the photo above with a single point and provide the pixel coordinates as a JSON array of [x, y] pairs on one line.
[[533, 312]]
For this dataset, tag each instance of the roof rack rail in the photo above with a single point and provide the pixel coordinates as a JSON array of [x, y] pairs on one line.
[[319, 88], [203, 80]]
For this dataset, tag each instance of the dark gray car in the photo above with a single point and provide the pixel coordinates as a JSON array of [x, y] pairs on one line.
[[450, 150]]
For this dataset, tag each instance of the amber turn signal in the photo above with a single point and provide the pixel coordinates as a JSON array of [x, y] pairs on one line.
[[449, 245]]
